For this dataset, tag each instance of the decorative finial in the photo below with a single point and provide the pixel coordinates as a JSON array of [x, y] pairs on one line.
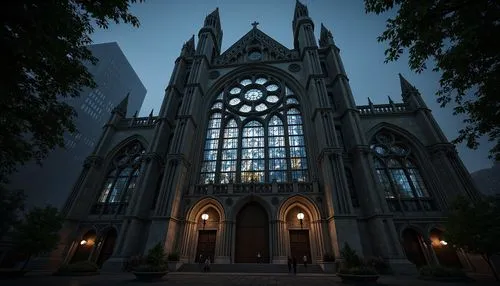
[[254, 24]]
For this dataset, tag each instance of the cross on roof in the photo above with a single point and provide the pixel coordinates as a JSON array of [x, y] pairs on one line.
[[254, 24]]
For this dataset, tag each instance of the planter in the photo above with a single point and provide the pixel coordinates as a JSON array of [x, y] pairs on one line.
[[361, 279], [12, 273], [75, 273], [149, 276], [174, 265]]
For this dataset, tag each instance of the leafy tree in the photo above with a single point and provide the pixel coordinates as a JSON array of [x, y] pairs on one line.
[[38, 232], [475, 227], [460, 36], [43, 47], [11, 205]]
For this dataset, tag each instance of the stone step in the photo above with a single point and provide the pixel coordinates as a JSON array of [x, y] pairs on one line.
[[249, 268]]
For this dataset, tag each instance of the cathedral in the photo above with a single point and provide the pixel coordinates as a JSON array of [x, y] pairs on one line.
[[260, 153]]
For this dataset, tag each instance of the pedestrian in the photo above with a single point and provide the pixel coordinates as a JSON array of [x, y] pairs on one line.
[[305, 261], [289, 265], [258, 257], [294, 265], [207, 264]]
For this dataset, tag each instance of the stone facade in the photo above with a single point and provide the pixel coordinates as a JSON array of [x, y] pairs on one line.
[[337, 183]]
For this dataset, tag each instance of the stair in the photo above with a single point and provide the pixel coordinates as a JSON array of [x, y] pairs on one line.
[[249, 268]]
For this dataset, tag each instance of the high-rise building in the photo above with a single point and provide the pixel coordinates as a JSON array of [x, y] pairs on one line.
[[261, 149], [115, 78]]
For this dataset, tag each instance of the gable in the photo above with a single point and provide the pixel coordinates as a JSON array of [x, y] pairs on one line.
[[255, 40]]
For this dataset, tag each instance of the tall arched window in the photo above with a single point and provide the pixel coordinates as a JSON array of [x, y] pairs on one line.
[[398, 176], [259, 123], [121, 180]]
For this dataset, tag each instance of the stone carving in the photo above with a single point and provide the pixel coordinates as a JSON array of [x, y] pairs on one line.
[[294, 67]]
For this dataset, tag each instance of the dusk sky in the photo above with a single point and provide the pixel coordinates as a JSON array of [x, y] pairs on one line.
[[165, 25]]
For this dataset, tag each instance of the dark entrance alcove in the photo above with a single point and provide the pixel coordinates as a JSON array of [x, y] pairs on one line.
[[206, 245], [299, 245], [107, 247], [252, 234], [412, 244]]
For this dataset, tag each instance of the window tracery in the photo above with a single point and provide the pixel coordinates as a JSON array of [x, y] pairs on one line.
[[261, 131], [398, 175], [121, 180]]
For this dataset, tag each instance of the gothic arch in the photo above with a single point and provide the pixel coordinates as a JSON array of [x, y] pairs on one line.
[[118, 147], [247, 199], [414, 227], [194, 213], [412, 140], [222, 82], [298, 200]]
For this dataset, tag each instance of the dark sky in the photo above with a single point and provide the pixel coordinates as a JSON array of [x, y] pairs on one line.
[[167, 24]]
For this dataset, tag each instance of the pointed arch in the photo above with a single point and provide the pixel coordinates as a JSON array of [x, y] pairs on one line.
[[118, 147], [412, 140], [194, 213], [248, 199], [299, 200]]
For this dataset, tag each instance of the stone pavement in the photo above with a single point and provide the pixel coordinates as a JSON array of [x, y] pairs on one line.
[[220, 279]]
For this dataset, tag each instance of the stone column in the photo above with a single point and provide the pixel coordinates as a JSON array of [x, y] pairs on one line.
[[278, 254]]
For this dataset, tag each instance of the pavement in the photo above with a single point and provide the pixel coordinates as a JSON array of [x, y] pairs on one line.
[[220, 279]]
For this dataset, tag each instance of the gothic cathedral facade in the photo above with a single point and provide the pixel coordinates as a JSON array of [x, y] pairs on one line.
[[260, 150]]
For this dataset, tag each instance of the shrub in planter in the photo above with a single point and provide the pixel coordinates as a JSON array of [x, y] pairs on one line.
[[78, 268], [379, 264], [353, 268], [436, 272], [156, 265]]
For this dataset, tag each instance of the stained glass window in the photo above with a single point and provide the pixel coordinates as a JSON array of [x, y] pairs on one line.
[[120, 182], [397, 175], [249, 150]]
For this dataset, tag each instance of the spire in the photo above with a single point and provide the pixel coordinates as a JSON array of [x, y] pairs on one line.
[[122, 106], [411, 95], [188, 47], [390, 99], [370, 101], [300, 10], [406, 87], [213, 19], [151, 113], [325, 38]]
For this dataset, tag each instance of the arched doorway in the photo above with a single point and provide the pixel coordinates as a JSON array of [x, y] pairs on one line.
[[445, 253], [107, 246], [412, 244], [85, 246], [252, 234]]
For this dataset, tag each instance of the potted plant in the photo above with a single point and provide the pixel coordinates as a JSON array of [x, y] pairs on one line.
[[81, 268], [155, 267], [353, 270], [328, 263], [37, 233], [173, 261]]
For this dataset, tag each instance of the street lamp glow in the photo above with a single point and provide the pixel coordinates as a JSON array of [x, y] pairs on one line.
[[83, 242], [300, 216], [443, 242], [204, 217]]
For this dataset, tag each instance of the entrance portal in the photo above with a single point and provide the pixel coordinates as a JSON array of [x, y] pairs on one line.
[[206, 245], [412, 244], [107, 247], [252, 234], [299, 245]]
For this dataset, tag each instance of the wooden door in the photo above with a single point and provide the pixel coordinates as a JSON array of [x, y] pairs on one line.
[[107, 247], [252, 234], [206, 245], [299, 245]]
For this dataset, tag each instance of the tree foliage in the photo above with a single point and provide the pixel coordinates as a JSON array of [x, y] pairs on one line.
[[43, 51], [475, 226], [461, 37], [38, 232], [11, 206]]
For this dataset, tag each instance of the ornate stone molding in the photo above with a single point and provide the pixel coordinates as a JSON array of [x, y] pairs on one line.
[[155, 157], [175, 159], [442, 149], [93, 161]]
